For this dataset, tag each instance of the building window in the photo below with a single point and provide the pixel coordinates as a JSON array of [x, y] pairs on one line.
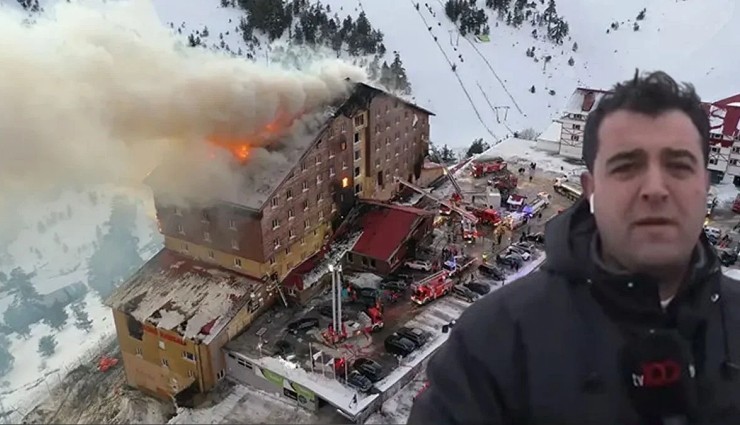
[[387, 141], [736, 149], [321, 215], [291, 233], [360, 120], [206, 236], [358, 155], [575, 137], [178, 211], [318, 160], [186, 247], [357, 137], [345, 182], [303, 242], [289, 194], [357, 171], [318, 143], [343, 145], [180, 229], [318, 178], [188, 356], [161, 344], [165, 363], [139, 351], [204, 217], [304, 186], [358, 188], [211, 255], [275, 223], [191, 374], [344, 165], [306, 223], [238, 262], [332, 173], [303, 166], [305, 204], [713, 161], [576, 126], [276, 243], [319, 197], [331, 154], [232, 224], [290, 214], [234, 244], [715, 149], [271, 260], [287, 251], [274, 202], [220, 375]]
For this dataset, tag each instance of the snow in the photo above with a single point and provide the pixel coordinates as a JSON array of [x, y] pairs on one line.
[[552, 132], [731, 273], [364, 280], [181, 295], [525, 151], [56, 268]]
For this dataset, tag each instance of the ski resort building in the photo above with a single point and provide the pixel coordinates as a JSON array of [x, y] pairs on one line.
[[223, 262], [724, 139], [271, 227]]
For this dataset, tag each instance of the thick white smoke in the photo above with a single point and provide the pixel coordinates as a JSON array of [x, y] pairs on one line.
[[97, 93]]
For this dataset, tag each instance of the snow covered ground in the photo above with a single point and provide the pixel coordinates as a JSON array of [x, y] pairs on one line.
[[69, 220]]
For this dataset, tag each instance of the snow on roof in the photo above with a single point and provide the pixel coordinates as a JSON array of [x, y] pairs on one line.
[[552, 132], [576, 103], [364, 280], [186, 296]]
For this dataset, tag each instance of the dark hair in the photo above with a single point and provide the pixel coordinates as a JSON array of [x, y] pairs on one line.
[[650, 94]]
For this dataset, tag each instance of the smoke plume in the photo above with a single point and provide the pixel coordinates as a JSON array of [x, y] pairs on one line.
[[99, 93]]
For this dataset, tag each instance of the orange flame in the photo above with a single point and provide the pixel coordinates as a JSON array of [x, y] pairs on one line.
[[240, 147]]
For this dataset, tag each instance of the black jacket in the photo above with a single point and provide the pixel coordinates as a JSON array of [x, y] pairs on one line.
[[549, 349]]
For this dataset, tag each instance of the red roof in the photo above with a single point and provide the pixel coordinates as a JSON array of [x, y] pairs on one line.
[[384, 229]]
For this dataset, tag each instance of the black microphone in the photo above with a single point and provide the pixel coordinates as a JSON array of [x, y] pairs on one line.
[[659, 372]]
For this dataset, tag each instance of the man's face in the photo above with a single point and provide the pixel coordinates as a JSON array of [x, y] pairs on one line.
[[649, 187]]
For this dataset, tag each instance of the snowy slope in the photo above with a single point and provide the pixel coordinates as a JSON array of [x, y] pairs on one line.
[[691, 40]]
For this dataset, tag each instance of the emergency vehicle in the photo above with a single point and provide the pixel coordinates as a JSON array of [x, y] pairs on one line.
[[431, 288]]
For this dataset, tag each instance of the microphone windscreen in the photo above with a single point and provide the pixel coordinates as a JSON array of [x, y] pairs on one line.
[[658, 370]]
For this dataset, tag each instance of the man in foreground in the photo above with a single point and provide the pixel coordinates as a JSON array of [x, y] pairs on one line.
[[630, 321]]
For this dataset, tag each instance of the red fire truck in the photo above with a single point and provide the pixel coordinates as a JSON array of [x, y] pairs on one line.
[[492, 166], [431, 288]]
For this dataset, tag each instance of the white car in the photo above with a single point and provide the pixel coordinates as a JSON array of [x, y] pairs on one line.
[[419, 265]]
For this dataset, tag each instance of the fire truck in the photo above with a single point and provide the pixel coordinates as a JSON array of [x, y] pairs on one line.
[[487, 216], [569, 189], [486, 167], [431, 288]]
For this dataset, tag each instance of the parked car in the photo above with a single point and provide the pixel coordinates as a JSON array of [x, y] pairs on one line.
[[370, 368], [478, 288], [419, 265], [395, 285], [492, 271], [516, 250], [359, 382], [284, 349], [509, 260], [368, 292], [415, 335], [303, 325], [538, 238], [398, 345], [465, 294]]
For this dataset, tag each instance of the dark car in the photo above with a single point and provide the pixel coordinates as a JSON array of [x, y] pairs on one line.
[[303, 325], [284, 349], [326, 311], [509, 260], [492, 271], [727, 257], [478, 288], [415, 335], [370, 368], [368, 292], [395, 285], [398, 345], [359, 382], [465, 294], [538, 238]]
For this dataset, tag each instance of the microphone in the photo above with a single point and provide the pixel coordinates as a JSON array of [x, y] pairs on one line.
[[659, 372]]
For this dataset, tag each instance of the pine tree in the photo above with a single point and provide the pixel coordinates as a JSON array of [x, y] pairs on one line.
[[550, 12], [401, 81], [19, 285], [56, 316], [6, 358], [82, 319], [47, 345]]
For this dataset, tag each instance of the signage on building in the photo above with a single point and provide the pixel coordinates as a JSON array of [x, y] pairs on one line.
[[303, 395]]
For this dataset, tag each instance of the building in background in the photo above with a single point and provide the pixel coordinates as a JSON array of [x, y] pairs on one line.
[[724, 138]]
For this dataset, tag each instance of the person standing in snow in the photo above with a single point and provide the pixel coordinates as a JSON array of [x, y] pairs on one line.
[[630, 320]]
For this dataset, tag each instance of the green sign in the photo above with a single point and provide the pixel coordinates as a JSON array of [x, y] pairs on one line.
[[303, 391], [273, 377]]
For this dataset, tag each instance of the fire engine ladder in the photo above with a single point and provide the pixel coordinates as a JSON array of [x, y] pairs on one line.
[[465, 214], [430, 278], [451, 177]]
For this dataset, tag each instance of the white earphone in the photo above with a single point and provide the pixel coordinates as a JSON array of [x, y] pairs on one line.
[[591, 203]]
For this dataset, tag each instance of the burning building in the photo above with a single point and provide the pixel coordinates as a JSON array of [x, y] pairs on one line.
[[250, 238]]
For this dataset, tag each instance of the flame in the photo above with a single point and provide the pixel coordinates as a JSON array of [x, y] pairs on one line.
[[240, 147]]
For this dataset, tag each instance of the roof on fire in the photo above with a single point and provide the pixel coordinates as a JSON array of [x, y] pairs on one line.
[[268, 169]]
